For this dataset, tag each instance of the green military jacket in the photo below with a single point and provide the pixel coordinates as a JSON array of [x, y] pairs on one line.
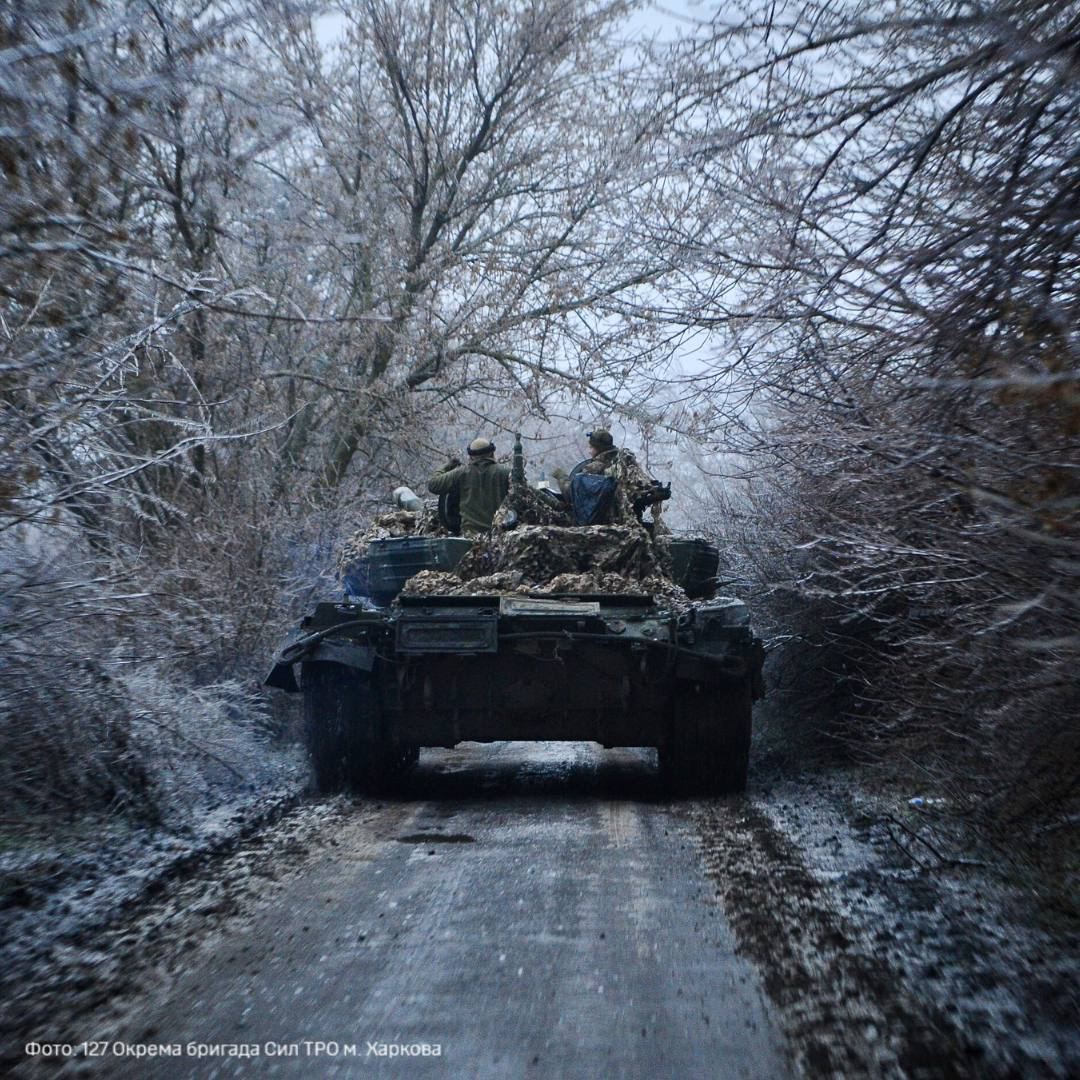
[[481, 486]]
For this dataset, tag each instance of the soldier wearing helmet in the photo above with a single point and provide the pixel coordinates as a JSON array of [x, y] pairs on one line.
[[593, 500], [603, 455], [602, 449], [602, 461], [480, 485]]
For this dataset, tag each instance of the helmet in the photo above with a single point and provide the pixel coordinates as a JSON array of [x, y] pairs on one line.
[[481, 446], [600, 439]]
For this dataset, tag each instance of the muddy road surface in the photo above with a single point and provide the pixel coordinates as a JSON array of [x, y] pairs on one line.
[[545, 911], [522, 911]]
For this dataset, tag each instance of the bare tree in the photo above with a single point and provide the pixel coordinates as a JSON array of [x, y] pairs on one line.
[[102, 413], [890, 251], [472, 169]]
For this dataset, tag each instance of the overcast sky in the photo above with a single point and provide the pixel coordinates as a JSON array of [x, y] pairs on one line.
[[652, 19]]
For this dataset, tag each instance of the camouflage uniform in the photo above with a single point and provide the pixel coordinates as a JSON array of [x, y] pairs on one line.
[[636, 490], [601, 463], [481, 485], [604, 462]]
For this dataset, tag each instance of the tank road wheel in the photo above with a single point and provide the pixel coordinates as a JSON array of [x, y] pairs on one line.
[[329, 709], [347, 738], [708, 748]]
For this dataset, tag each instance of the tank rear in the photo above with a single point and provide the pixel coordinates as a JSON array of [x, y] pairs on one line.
[[620, 670], [541, 631]]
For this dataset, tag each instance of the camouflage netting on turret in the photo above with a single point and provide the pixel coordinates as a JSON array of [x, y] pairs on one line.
[[528, 505], [511, 582], [614, 559], [542, 552], [534, 548], [636, 488], [394, 525]]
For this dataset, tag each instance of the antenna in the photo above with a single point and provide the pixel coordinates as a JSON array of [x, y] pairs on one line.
[[517, 473]]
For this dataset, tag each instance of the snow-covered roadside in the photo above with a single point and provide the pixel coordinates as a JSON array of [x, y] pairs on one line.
[[62, 883], [972, 948], [916, 920]]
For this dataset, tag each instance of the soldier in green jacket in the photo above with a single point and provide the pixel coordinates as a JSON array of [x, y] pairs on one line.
[[481, 485]]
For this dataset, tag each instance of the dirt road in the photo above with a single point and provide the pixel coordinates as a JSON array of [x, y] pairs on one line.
[[544, 911], [524, 911]]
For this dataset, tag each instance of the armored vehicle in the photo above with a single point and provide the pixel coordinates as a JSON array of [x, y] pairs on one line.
[[419, 653]]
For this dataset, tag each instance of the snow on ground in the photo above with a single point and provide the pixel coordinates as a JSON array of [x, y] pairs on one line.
[[889, 948], [62, 882], [962, 933]]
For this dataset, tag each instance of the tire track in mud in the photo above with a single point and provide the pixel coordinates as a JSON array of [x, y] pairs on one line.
[[844, 1012]]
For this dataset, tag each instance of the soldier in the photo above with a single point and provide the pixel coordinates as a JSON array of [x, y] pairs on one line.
[[595, 501], [602, 450], [481, 485], [603, 455], [592, 501]]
